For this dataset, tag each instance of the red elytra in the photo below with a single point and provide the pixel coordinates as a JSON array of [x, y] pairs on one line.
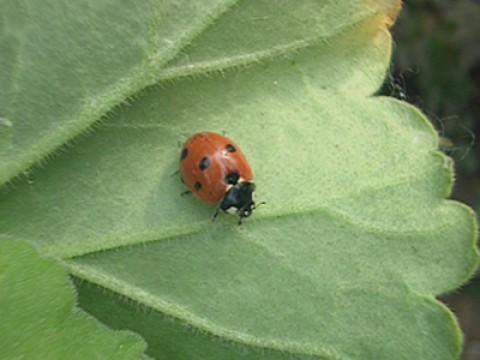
[[216, 171], [206, 161]]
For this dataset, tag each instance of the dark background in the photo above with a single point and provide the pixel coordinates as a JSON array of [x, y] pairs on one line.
[[436, 66]]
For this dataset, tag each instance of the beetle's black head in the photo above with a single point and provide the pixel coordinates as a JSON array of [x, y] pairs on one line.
[[239, 199]]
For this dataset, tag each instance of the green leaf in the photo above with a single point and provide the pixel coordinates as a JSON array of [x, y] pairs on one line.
[[39, 319], [64, 64], [5, 136], [356, 238]]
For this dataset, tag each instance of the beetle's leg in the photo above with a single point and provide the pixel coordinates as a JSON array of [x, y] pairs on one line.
[[258, 205], [215, 214]]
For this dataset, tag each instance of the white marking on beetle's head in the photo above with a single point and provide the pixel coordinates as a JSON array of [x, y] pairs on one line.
[[232, 210]]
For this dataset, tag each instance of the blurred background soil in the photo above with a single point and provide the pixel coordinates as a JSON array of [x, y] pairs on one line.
[[436, 66]]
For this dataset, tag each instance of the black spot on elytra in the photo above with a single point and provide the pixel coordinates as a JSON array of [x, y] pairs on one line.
[[232, 177], [204, 163], [198, 186], [230, 148], [184, 154]]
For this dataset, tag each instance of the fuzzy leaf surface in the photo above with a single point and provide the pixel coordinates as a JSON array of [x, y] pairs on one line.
[[356, 238]]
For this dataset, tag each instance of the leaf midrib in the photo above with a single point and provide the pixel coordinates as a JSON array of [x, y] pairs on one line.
[[205, 67], [178, 231]]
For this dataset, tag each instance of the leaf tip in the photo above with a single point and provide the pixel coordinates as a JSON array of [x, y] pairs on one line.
[[393, 11], [389, 10]]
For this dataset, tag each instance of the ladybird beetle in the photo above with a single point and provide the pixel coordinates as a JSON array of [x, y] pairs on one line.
[[215, 171]]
